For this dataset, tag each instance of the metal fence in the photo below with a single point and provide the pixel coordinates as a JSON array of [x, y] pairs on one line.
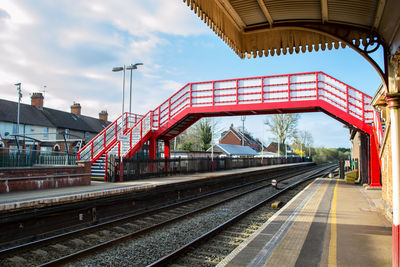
[[27, 158], [142, 168]]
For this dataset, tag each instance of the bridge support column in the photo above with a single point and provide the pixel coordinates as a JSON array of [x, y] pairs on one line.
[[375, 169], [167, 149], [393, 98], [152, 152], [152, 148], [167, 154]]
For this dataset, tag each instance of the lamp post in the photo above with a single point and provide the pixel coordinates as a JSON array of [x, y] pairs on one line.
[[117, 69], [131, 67], [19, 108], [243, 118]]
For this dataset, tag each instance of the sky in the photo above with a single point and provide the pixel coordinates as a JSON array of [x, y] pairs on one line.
[[69, 47]]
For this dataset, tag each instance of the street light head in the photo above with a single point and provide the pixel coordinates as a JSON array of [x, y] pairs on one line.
[[133, 66], [18, 84], [115, 69]]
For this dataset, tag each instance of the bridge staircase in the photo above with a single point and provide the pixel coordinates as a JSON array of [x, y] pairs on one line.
[[290, 93]]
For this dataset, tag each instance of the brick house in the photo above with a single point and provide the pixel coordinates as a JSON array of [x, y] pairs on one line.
[[47, 129], [273, 147], [236, 137]]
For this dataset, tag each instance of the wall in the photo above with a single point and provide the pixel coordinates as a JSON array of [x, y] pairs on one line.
[[43, 177]]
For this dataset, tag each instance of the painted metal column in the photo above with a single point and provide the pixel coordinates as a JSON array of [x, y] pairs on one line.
[[152, 152], [375, 168], [167, 149], [152, 148], [167, 154], [393, 99], [395, 132]]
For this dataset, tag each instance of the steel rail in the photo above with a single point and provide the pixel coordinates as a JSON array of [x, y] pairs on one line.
[[166, 259], [44, 241], [101, 246]]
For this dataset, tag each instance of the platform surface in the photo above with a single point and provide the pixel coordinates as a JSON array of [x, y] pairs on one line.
[[329, 223], [13, 201]]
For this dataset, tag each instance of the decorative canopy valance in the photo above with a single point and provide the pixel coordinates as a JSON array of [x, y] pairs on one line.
[[272, 27]]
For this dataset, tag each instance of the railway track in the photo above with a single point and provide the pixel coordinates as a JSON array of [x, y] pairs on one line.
[[213, 246], [67, 247]]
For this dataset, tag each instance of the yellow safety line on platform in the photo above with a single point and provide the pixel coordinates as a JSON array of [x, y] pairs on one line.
[[332, 259]]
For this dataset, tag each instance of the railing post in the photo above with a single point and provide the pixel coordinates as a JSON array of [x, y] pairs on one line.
[[126, 121], [363, 107], [237, 91], [119, 148], [288, 87], [262, 89], [169, 109], [347, 99], [190, 95], [104, 139], [91, 152], [151, 119], [159, 117], [213, 93], [316, 86], [141, 129], [130, 140]]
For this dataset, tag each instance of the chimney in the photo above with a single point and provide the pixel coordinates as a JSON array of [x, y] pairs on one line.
[[103, 115], [76, 109], [37, 100]]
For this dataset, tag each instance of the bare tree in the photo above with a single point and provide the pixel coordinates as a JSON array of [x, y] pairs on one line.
[[308, 142], [303, 139], [283, 126]]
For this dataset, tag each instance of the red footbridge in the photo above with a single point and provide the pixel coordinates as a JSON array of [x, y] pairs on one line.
[[289, 93]]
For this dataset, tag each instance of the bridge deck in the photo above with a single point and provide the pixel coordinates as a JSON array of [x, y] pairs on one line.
[[325, 225]]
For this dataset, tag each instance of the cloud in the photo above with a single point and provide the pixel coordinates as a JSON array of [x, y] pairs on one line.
[[71, 46], [4, 14]]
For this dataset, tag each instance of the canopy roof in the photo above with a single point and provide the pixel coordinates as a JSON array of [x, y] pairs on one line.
[[268, 27]]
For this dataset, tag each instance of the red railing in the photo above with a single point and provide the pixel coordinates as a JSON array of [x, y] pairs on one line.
[[266, 89], [95, 147], [289, 88]]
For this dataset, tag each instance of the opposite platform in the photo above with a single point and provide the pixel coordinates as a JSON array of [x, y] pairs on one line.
[[329, 223], [15, 201]]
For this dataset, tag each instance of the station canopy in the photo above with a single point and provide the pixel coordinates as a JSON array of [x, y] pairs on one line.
[[267, 27]]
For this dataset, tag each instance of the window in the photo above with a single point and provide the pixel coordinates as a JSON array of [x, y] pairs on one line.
[[14, 130], [45, 149], [66, 133], [45, 132], [86, 136]]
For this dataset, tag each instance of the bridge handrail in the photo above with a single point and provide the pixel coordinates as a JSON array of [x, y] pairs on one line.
[[352, 101], [262, 89], [97, 144], [145, 125]]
